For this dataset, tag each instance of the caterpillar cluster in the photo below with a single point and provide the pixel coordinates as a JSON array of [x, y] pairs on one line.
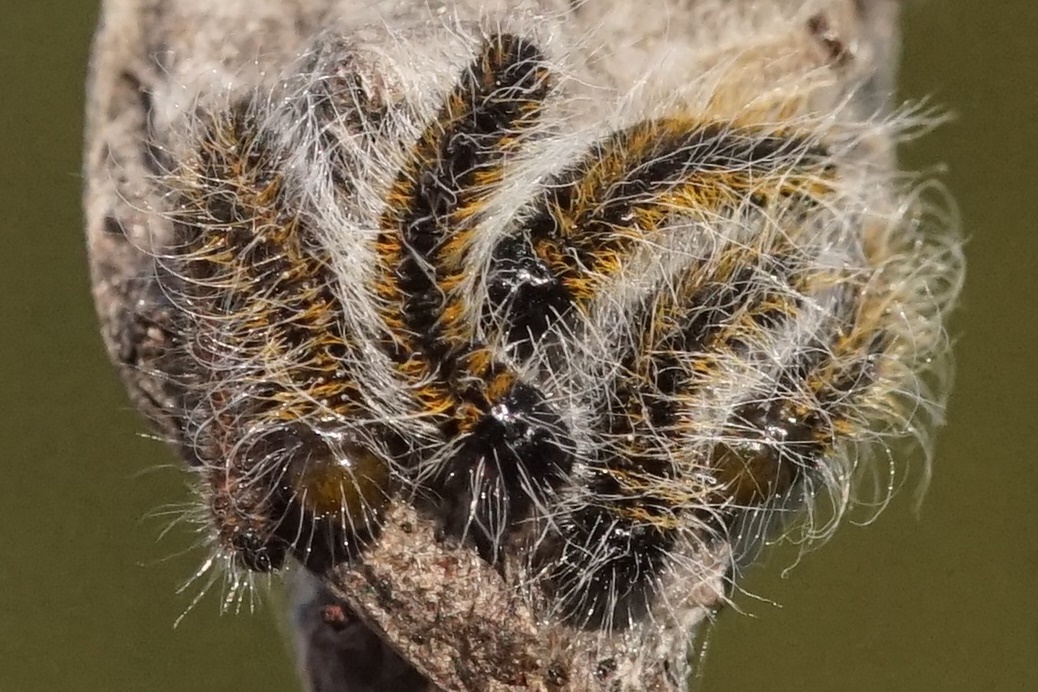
[[594, 343]]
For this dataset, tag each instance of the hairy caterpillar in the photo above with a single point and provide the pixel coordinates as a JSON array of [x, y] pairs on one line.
[[605, 329]]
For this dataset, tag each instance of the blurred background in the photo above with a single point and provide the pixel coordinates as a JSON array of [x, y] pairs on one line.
[[937, 596]]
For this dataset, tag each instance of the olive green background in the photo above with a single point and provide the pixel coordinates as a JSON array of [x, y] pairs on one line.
[[942, 596]]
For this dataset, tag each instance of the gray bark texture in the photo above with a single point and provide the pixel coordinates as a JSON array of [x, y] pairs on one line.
[[414, 613]]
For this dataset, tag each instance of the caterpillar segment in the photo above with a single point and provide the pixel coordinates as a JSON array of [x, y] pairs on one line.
[[500, 433], [263, 318], [620, 196], [605, 563]]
